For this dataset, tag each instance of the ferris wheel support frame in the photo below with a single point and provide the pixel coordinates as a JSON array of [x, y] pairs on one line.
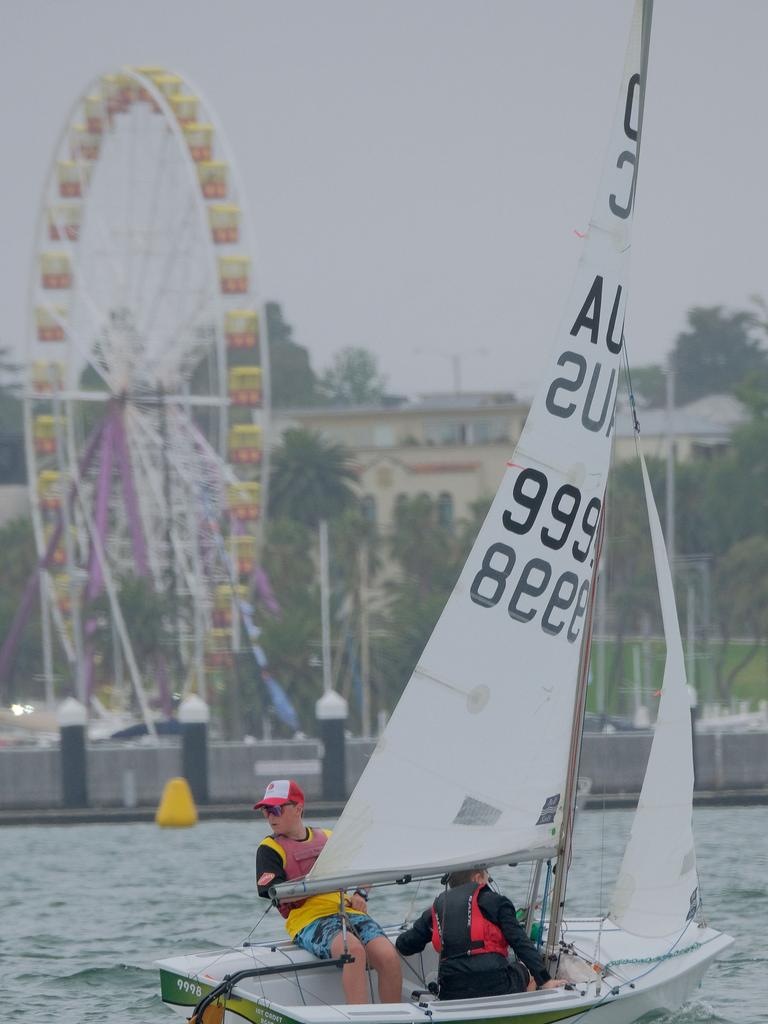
[[117, 612], [81, 671]]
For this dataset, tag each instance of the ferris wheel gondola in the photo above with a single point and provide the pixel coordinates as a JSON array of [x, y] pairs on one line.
[[147, 390]]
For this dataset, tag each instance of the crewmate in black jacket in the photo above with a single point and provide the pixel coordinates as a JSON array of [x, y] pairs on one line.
[[472, 928]]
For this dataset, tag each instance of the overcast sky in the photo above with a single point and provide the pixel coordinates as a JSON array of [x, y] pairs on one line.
[[416, 169]]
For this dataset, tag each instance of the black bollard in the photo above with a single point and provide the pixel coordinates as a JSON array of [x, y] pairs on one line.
[[74, 771], [193, 718], [331, 714]]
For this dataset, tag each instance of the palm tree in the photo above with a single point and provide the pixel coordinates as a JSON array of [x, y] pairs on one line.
[[427, 552], [310, 478]]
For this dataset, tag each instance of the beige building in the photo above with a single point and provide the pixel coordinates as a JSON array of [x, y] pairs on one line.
[[454, 447]]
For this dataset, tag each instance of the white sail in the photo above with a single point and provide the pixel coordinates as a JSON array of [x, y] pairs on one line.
[[657, 887], [472, 765]]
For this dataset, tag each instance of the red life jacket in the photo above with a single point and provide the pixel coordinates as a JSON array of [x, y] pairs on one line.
[[459, 927], [300, 856]]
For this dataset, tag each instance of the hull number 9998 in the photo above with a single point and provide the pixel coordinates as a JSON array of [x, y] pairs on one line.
[[190, 986]]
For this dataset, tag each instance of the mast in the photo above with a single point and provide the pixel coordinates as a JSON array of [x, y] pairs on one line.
[[574, 757]]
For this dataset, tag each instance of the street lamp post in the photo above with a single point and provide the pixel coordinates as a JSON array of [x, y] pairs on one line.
[[455, 359]]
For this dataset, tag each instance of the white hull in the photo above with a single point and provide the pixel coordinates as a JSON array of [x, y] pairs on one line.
[[643, 976]]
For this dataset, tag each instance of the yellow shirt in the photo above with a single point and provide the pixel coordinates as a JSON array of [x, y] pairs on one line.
[[313, 907]]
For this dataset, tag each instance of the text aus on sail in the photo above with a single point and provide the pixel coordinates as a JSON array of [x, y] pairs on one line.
[[559, 523]]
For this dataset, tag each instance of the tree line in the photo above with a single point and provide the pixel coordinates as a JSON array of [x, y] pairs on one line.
[[722, 520]]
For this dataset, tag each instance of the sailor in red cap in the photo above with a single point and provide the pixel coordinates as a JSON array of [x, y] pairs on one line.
[[315, 923]]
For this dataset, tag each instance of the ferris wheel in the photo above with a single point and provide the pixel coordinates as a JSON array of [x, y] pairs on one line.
[[147, 390]]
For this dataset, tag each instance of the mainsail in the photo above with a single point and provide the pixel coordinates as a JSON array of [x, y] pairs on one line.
[[473, 763], [657, 888]]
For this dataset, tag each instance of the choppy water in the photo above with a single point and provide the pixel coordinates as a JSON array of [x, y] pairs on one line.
[[85, 910]]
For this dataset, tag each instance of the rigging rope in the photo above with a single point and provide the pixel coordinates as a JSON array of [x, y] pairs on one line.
[[652, 959]]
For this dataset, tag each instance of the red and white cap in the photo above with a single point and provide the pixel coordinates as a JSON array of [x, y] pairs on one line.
[[281, 791]]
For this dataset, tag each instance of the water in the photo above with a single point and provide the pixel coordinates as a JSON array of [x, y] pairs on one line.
[[85, 910]]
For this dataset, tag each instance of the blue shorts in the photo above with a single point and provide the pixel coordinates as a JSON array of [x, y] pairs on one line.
[[317, 936]]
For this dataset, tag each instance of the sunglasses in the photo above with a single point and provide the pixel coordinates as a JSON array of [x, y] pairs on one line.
[[275, 812]]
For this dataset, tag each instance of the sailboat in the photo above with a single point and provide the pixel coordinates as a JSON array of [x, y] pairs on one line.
[[509, 659]]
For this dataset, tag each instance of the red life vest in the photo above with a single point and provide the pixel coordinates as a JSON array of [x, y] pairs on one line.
[[459, 927], [300, 856]]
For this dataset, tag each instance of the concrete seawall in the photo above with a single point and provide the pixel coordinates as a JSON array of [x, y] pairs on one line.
[[127, 776]]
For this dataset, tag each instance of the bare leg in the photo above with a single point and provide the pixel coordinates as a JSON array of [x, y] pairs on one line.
[[353, 977], [383, 957]]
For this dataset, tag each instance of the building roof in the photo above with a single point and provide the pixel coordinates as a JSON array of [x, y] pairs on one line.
[[449, 403], [725, 410], [681, 423]]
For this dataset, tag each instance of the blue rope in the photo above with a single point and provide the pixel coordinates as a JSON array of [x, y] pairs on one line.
[[544, 900]]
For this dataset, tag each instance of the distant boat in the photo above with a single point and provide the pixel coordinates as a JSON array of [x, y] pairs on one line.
[[484, 744], [20, 722], [168, 727]]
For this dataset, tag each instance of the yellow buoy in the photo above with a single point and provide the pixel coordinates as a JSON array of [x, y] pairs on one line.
[[177, 808]]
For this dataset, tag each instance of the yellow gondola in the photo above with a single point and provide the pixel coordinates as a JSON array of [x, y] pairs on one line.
[[169, 85], [63, 590], [200, 140], [47, 375], [59, 555], [184, 107], [214, 176], [84, 144], [44, 432], [55, 270], [64, 222], [118, 91], [233, 274], [218, 648], [49, 321], [245, 443], [49, 489], [143, 94], [223, 602], [244, 500], [224, 219], [70, 179], [244, 385], [243, 550], [241, 327], [93, 111]]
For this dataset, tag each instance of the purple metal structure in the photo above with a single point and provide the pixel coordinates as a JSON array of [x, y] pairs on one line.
[[108, 449]]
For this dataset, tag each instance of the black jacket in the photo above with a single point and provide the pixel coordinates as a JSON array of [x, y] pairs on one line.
[[480, 973]]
